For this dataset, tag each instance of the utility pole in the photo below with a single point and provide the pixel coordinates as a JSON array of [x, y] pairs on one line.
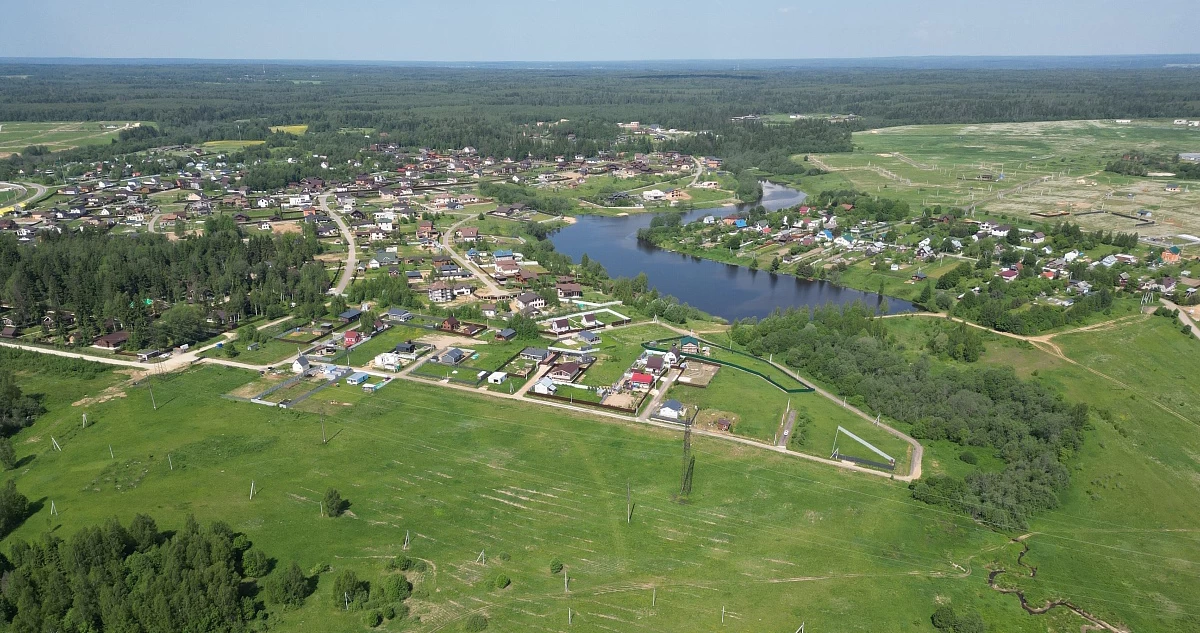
[[152, 402]]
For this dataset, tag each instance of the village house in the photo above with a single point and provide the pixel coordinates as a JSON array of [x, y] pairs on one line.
[[569, 290], [565, 372], [441, 292], [529, 300], [560, 326]]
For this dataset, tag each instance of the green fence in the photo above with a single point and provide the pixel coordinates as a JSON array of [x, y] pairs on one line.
[[717, 361]]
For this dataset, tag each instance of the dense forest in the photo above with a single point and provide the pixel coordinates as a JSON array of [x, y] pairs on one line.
[[108, 282], [1034, 431], [135, 579], [494, 109]]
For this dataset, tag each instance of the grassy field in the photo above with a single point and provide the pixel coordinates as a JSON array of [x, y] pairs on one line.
[[298, 130], [773, 540], [497, 476], [228, 146], [1047, 167], [15, 137]]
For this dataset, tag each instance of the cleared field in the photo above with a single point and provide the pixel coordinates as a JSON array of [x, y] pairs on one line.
[[16, 136], [228, 146], [1046, 167], [290, 129]]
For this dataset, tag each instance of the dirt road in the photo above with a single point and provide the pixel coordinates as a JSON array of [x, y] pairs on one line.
[[352, 248]]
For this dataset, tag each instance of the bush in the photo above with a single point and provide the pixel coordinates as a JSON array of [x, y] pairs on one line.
[[347, 587], [502, 581], [389, 612], [373, 619], [397, 588], [401, 562], [475, 623], [969, 457], [290, 587], [255, 564], [556, 566], [504, 556]]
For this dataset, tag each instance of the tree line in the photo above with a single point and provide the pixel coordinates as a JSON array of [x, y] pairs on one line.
[[1033, 431]]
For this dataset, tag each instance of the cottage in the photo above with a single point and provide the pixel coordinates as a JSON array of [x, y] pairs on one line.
[[350, 315], [689, 345], [545, 387], [452, 356], [450, 324], [357, 378], [569, 290], [507, 334], [530, 300], [112, 341], [560, 326], [588, 337], [641, 381], [536, 354], [399, 315], [467, 234], [671, 410], [655, 364], [352, 338], [565, 372], [301, 364], [497, 378]]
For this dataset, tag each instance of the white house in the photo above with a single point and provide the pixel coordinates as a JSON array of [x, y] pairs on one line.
[[545, 387], [653, 195], [497, 377], [301, 364]]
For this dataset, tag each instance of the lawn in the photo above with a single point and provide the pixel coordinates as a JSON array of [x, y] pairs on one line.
[[617, 351], [273, 351], [772, 540]]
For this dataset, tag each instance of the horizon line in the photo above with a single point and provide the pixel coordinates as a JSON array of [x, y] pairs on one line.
[[283, 60]]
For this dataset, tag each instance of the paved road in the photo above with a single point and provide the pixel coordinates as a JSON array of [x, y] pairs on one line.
[[352, 247], [38, 191], [493, 289]]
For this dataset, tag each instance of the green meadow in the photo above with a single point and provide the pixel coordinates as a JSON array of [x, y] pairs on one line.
[[56, 136], [484, 486]]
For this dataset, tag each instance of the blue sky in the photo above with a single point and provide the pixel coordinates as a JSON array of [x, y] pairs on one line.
[[562, 30]]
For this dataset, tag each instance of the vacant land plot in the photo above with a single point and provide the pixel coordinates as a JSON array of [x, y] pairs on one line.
[[15, 137], [1017, 169]]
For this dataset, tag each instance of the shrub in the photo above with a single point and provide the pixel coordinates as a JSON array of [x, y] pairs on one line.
[[504, 556], [255, 564], [475, 623], [347, 587], [502, 581], [556, 566], [289, 587], [969, 457], [389, 612], [401, 562], [397, 588], [373, 619]]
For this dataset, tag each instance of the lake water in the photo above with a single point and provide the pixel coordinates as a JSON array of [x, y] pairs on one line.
[[724, 290]]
